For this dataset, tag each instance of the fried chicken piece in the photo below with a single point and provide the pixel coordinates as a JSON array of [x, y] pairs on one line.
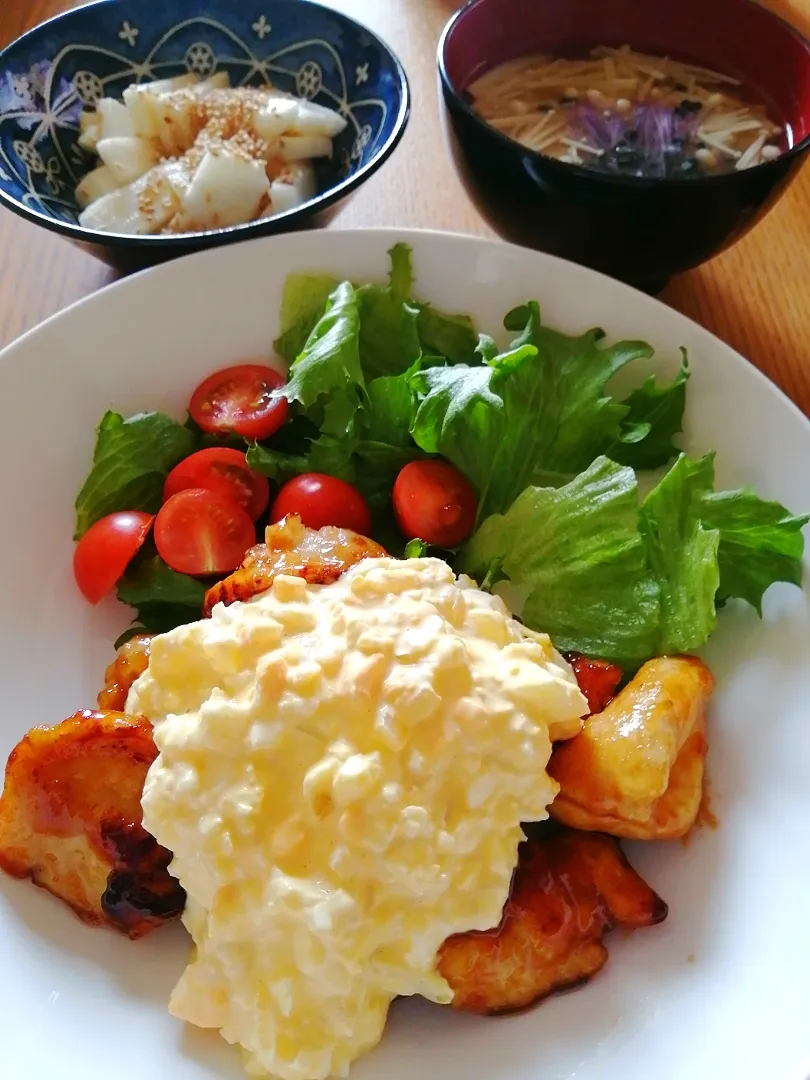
[[597, 679], [636, 768], [71, 820], [319, 556], [131, 661], [569, 889]]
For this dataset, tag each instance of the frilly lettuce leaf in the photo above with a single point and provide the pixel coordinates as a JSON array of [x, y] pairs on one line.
[[538, 412], [576, 555], [682, 554], [162, 598], [654, 419], [460, 416], [326, 380], [389, 335], [451, 336], [760, 543], [130, 463], [303, 302], [612, 579]]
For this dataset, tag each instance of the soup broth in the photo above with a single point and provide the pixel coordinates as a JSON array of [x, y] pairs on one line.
[[627, 113]]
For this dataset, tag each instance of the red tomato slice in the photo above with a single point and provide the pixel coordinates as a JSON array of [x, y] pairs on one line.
[[106, 549], [323, 500], [435, 502], [224, 471], [597, 679], [240, 399], [201, 532]]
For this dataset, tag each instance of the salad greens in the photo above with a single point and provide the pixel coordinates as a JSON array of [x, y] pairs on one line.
[[162, 598], [682, 554], [378, 379], [131, 461], [577, 555]]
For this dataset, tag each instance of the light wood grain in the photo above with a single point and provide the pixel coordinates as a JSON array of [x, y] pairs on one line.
[[756, 296]]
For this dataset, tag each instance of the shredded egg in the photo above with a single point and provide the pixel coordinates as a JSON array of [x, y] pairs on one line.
[[342, 774]]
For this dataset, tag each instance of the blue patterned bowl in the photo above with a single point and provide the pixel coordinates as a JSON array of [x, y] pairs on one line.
[[48, 76]]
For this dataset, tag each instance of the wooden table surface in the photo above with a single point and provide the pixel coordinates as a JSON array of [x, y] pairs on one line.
[[756, 296]]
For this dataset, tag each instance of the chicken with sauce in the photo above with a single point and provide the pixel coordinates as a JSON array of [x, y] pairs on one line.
[[71, 820], [319, 556], [70, 812], [91, 850], [130, 662], [636, 768], [570, 888]]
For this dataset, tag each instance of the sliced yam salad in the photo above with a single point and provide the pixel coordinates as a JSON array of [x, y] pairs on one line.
[[188, 155]]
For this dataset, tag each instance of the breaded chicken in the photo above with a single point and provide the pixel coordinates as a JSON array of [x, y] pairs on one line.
[[569, 889], [319, 556], [131, 661], [70, 819], [636, 768]]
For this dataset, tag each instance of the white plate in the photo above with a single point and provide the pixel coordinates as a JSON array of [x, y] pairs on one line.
[[718, 992]]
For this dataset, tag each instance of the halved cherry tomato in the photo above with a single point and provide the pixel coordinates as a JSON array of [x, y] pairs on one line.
[[202, 532], [436, 502], [597, 679], [323, 500], [240, 399], [106, 549], [225, 471]]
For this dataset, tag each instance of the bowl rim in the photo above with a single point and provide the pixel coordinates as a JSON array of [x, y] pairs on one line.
[[638, 182], [232, 233]]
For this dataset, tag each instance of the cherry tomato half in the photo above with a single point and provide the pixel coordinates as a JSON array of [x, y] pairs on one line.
[[323, 500], [201, 532], [106, 549], [224, 471], [436, 502], [240, 399], [597, 679]]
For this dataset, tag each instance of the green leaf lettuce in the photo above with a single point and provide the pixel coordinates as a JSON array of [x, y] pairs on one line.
[[577, 555], [130, 463], [609, 578], [162, 598]]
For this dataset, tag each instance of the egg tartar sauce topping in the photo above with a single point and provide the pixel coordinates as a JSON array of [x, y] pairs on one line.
[[342, 774]]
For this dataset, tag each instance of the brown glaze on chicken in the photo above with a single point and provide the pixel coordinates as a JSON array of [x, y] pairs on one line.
[[319, 556], [71, 820], [636, 768], [131, 661], [569, 889]]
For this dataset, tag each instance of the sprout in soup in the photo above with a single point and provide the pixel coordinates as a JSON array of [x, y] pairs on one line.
[[627, 113]]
